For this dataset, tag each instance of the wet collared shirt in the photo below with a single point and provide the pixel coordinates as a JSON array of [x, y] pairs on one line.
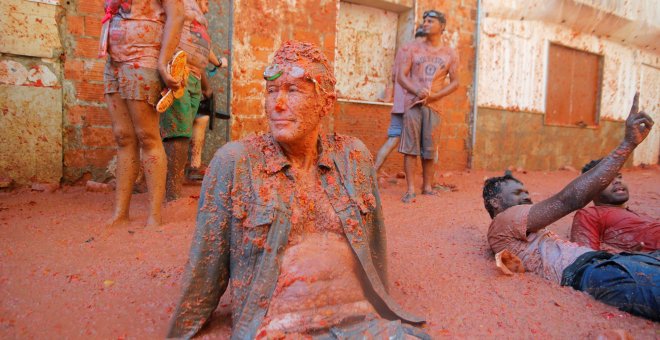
[[243, 224]]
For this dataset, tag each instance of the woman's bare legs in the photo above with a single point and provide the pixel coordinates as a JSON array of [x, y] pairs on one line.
[[146, 124], [127, 156]]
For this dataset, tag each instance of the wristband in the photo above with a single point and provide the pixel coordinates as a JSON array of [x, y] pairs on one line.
[[212, 72]]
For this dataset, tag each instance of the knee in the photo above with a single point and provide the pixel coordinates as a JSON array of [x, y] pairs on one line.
[[149, 140], [124, 138]]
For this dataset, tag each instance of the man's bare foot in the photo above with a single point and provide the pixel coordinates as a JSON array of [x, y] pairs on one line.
[[116, 221], [409, 197], [171, 197]]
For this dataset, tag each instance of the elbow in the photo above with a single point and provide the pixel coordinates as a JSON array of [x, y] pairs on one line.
[[454, 85]]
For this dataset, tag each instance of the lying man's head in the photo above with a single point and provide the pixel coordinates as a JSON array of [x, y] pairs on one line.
[[502, 193], [616, 193], [300, 90]]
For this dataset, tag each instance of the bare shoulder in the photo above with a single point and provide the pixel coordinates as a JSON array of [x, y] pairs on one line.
[[451, 53], [411, 46]]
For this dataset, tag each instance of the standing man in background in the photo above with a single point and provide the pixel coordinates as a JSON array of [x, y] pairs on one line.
[[422, 74], [396, 116]]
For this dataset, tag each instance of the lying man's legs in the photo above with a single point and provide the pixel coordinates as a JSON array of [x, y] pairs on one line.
[[630, 282]]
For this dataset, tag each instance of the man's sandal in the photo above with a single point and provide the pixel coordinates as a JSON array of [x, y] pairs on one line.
[[178, 68]]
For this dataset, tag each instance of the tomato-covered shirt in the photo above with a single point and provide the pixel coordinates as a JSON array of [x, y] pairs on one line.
[[195, 39], [136, 31], [615, 228]]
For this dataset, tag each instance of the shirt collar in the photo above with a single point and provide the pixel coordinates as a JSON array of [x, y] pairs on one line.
[[276, 161]]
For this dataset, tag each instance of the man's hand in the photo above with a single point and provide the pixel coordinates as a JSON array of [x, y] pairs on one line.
[[422, 93], [169, 81], [638, 124], [208, 92], [223, 62]]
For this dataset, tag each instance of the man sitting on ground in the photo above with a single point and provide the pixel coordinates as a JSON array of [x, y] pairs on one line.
[[293, 218], [610, 225], [630, 282]]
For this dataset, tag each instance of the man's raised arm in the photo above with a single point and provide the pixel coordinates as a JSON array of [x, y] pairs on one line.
[[582, 190]]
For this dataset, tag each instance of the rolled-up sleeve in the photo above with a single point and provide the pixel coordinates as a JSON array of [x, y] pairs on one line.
[[509, 229], [207, 271]]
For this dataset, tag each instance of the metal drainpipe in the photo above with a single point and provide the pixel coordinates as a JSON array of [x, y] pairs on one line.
[[229, 67], [475, 82]]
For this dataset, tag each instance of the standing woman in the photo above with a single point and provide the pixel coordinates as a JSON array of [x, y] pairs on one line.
[[176, 123], [142, 36]]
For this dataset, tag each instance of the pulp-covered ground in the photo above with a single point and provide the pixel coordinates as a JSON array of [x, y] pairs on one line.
[[63, 275]]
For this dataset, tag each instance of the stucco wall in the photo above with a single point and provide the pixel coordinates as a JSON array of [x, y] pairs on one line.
[[316, 21], [30, 93], [520, 139], [513, 59]]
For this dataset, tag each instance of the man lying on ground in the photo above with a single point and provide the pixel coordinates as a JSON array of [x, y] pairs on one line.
[[630, 282], [293, 218], [610, 225]]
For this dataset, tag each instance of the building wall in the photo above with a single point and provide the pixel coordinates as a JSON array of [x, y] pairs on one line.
[[513, 59], [524, 141], [30, 93], [219, 18], [256, 40], [88, 141], [71, 69]]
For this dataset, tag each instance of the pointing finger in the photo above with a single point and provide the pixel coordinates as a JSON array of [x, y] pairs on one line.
[[635, 105]]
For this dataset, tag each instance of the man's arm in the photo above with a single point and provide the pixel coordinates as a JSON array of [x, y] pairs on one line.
[[170, 41], [207, 272], [207, 91], [404, 76], [453, 78], [213, 59], [582, 190]]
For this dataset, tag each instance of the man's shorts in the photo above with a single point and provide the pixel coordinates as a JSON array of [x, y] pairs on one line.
[[177, 121], [132, 81], [419, 124], [396, 124]]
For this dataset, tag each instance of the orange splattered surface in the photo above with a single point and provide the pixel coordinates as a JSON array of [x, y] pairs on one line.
[[63, 275]]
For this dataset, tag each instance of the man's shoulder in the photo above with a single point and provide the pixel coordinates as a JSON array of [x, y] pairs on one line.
[[241, 148], [410, 45], [514, 216], [348, 147], [590, 210], [453, 54], [339, 141], [599, 211]]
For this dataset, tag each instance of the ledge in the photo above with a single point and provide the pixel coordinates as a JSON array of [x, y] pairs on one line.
[[355, 101]]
